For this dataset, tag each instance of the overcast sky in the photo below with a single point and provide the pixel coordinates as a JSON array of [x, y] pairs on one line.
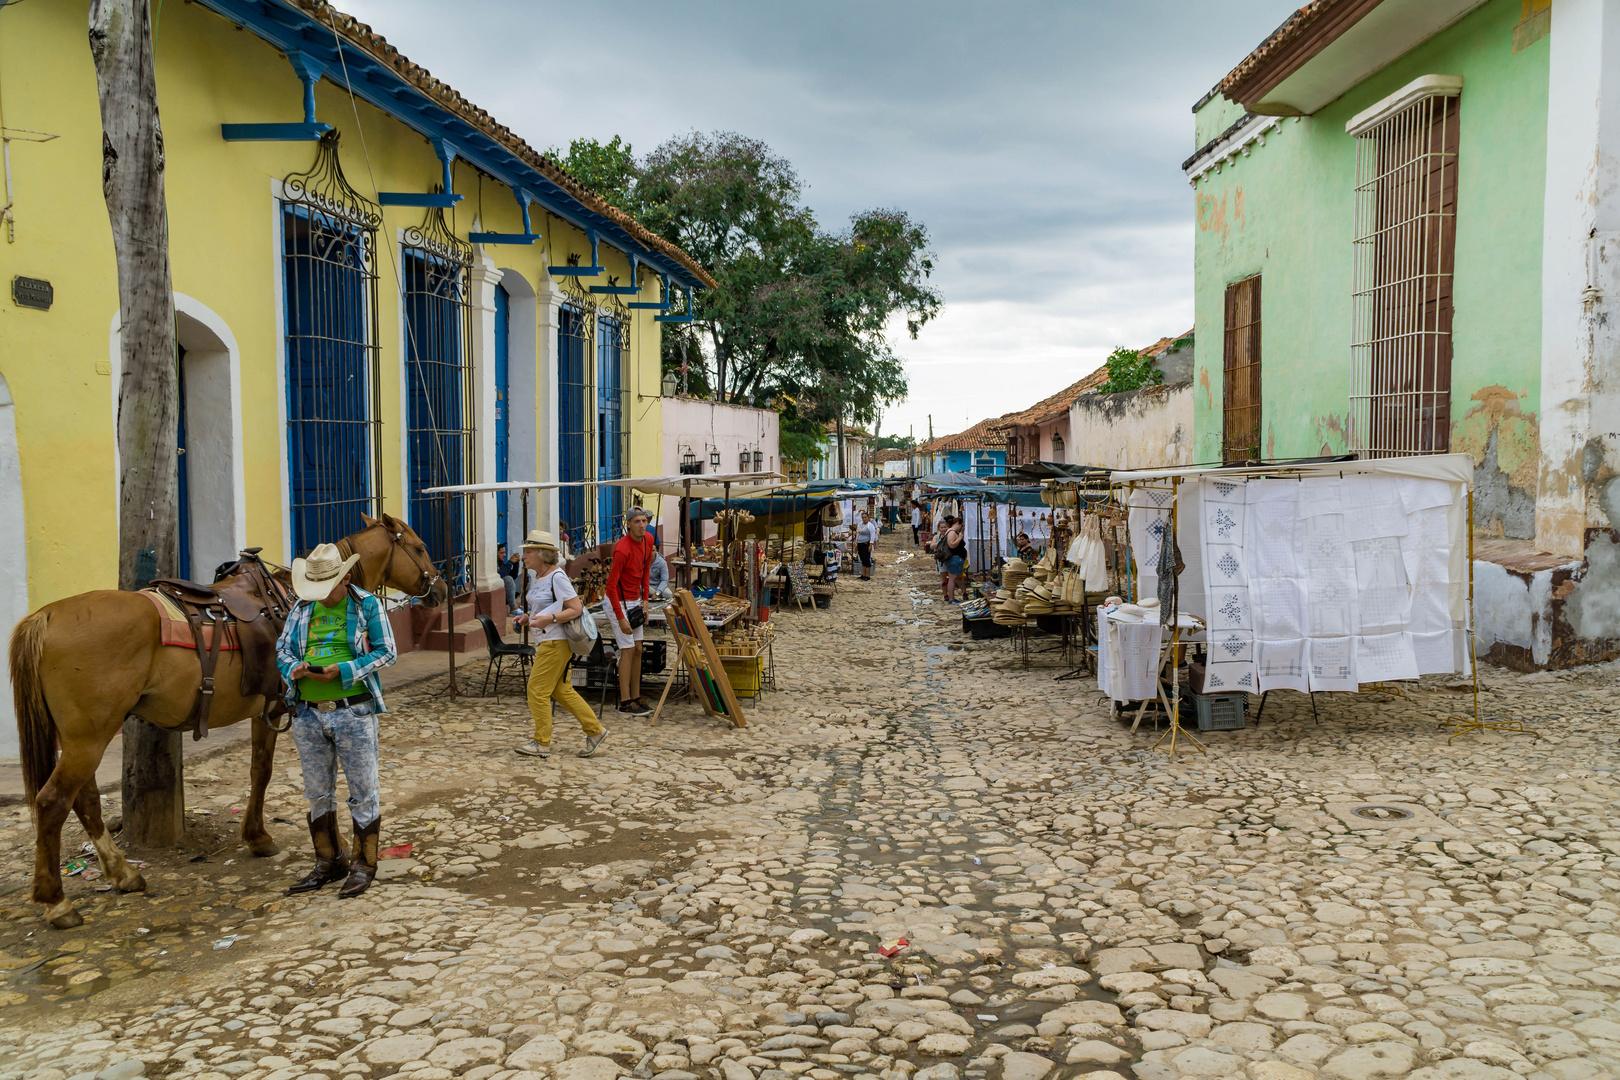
[[1039, 143]]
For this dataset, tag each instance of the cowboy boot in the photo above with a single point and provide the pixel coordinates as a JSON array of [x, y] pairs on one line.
[[364, 867], [331, 864]]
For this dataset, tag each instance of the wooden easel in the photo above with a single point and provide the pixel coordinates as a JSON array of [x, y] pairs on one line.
[[704, 671]]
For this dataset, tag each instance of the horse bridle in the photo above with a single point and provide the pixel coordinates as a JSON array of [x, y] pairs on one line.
[[396, 542]]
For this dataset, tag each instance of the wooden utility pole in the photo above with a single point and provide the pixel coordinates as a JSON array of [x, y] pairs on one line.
[[148, 394]]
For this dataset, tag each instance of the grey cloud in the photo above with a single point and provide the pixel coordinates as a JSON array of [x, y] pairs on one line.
[[1038, 141]]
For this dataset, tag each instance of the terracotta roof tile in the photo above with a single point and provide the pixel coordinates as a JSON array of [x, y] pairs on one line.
[[442, 94], [890, 455], [1049, 409], [1301, 21], [985, 435]]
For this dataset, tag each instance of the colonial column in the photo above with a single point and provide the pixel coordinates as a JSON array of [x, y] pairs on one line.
[[481, 508], [547, 299], [1580, 275]]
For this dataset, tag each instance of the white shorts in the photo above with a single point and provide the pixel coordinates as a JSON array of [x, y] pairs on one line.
[[634, 637]]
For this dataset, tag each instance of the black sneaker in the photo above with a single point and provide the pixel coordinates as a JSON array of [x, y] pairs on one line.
[[634, 708]]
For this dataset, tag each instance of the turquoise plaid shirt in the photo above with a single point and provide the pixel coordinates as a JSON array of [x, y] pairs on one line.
[[371, 639]]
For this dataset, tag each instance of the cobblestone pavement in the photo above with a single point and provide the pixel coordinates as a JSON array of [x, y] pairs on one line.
[[703, 903]]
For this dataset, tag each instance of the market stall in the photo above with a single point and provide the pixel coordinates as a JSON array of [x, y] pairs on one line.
[[1315, 576]]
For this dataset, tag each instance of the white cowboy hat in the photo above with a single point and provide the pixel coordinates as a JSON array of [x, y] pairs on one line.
[[541, 538], [314, 578]]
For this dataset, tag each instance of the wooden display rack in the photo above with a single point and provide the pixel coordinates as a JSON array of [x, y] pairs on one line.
[[705, 673]]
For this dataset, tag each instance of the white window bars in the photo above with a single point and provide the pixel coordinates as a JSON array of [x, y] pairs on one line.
[[1404, 255]]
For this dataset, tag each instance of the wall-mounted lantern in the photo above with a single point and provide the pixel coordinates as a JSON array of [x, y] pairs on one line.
[[672, 383], [759, 461], [714, 459]]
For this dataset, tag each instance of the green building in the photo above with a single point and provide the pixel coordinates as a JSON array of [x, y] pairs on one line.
[[1407, 241]]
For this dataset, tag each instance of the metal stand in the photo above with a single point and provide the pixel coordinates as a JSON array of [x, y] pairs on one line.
[[1176, 731], [451, 690], [1464, 724]]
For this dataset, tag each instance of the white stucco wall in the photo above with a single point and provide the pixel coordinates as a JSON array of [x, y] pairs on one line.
[[702, 425], [1143, 429], [13, 562]]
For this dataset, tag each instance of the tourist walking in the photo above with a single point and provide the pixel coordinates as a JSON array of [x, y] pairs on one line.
[[866, 535], [336, 639], [552, 603], [916, 523], [628, 589], [952, 553]]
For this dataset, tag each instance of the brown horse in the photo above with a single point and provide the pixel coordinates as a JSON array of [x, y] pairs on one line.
[[81, 665]]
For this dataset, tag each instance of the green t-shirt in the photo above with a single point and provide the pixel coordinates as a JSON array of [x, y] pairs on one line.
[[328, 646]]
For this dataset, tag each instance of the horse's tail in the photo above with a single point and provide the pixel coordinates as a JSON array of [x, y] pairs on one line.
[[36, 729]]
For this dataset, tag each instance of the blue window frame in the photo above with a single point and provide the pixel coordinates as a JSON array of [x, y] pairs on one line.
[[573, 439], [329, 289], [503, 417], [438, 434], [611, 451]]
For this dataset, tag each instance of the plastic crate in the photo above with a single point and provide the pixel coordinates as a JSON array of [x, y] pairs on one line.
[[1221, 712], [744, 673]]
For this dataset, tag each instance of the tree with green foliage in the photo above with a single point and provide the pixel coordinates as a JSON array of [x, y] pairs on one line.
[[796, 310], [609, 169], [1128, 370], [895, 442]]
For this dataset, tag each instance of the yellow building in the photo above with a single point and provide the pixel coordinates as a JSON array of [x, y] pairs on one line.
[[344, 344]]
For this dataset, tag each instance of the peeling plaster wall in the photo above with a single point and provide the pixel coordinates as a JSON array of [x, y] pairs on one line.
[[1591, 606], [1506, 446], [1512, 616], [1143, 429]]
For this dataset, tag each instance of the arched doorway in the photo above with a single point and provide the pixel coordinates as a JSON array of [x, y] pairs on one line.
[[214, 508], [213, 515], [13, 561]]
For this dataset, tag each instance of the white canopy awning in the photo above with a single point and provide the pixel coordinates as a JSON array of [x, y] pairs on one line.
[[709, 486], [1453, 468]]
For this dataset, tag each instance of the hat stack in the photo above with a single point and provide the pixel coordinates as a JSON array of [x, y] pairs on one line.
[[1036, 597], [1014, 573]]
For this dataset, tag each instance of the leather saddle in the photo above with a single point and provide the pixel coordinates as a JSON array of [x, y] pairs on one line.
[[248, 597]]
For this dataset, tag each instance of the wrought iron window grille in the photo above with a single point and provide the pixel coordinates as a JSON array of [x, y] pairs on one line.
[[1404, 256], [576, 346], [613, 434], [329, 285], [439, 382]]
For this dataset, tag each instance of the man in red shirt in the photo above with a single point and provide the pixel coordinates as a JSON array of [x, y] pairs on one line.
[[627, 591]]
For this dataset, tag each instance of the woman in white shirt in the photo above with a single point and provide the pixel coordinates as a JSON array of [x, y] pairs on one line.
[[553, 602], [866, 534]]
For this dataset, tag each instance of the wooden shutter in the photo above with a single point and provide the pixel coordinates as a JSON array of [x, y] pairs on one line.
[[1240, 439]]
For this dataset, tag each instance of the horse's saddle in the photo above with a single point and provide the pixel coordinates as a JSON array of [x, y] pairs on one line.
[[245, 609]]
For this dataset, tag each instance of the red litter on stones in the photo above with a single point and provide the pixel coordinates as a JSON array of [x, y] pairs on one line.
[[399, 851], [893, 948]]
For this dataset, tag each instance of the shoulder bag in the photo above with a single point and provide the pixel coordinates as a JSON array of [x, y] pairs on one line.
[[580, 633]]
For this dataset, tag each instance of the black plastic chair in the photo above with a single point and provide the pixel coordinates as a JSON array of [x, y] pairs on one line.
[[500, 652]]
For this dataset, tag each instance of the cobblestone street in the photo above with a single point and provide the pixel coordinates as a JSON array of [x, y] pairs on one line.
[[703, 903]]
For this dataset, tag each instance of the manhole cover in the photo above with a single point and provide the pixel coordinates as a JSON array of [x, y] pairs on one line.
[[1382, 813]]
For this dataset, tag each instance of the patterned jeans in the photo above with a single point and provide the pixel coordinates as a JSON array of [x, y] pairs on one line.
[[326, 739]]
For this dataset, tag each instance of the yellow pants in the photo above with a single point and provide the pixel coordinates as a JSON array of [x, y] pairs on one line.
[[548, 682]]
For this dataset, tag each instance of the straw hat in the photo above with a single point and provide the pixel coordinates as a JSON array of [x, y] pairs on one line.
[[314, 578], [541, 538]]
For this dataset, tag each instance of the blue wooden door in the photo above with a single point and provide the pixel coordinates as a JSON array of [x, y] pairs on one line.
[[183, 488], [573, 338], [503, 419]]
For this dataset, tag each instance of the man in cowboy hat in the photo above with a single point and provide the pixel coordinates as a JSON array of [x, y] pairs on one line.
[[336, 640]]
